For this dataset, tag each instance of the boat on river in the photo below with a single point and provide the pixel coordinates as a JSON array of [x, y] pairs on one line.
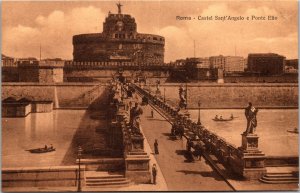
[[293, 130], [218, 119], [41, 150]]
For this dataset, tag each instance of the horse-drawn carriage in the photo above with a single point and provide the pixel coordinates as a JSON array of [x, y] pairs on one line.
[[177, 130], [197, 152]]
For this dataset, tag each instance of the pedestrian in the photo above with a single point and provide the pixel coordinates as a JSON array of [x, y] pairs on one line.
[[199, 151], [154, 172], [156, 147], [189, 150], [152, 113]]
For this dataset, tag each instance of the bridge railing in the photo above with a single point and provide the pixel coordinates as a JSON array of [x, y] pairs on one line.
[[215, 144], [136, 159]]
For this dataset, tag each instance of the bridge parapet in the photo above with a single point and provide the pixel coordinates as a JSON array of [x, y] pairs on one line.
[[247, 164], [137, 160]]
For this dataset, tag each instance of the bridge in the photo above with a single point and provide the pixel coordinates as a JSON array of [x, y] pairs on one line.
[[245, 163], [224, 167]]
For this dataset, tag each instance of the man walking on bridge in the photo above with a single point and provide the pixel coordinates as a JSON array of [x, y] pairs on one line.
[[154, 172], [156, 147]]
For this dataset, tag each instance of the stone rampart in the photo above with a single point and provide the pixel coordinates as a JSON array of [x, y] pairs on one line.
[[66, 96], [109, 73], [234, 95], [211, 95]]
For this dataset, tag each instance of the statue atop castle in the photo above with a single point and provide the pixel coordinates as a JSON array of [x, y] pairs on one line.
[[119, 8]]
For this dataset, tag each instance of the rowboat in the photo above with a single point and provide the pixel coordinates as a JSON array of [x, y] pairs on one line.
[[230, 119], [293, 131], [41, 150]]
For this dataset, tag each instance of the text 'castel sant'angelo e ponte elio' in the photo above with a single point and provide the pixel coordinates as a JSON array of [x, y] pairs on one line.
[[229, 18]]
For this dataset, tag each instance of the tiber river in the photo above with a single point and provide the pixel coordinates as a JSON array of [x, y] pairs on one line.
[[59, 127]]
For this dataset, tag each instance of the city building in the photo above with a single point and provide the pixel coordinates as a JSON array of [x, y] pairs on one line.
[[234, 64], [7, 61], [119, 42], [9, 69], [292, 63], [15, 108], [203, 63], [217, 61], [266, 63], [229, 64], [26, 61]]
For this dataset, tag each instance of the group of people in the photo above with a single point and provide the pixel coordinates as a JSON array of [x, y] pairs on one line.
[[221, 118], [177, 129], [197, 150], [46, 147]]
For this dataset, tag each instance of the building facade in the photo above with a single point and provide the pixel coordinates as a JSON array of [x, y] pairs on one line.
[[234, 64], [229, 64], [292, 63], [217, 61], [119, 41], [266, 63], [7, 61]]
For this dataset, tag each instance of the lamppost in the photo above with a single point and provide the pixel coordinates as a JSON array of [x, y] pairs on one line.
[[79, 178], [164, 95], [199, 122], [186, 90]]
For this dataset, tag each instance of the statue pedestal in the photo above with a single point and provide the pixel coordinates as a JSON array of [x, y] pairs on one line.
[[249, 142], [137, 142], [253, 160], [138, 168]]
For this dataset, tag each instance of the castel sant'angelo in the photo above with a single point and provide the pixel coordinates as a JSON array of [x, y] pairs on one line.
[[119, 41]]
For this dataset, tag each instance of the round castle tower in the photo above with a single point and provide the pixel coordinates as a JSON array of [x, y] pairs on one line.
[[119, 41]]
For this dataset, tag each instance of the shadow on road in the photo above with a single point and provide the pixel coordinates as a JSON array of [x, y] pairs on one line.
[[155, 119], [210, 174], [171, 137], [180, 152], [166, 134]]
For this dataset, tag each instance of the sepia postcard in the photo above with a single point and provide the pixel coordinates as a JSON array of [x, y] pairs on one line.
[[149, 96]]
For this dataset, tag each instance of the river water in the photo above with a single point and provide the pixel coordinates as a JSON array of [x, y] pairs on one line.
[[38, 129], [61, 126], [272, 128]]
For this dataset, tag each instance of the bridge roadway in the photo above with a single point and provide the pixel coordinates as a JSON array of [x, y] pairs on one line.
[[179, 173]]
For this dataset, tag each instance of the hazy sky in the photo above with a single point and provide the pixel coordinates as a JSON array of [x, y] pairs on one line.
[[27, 24]]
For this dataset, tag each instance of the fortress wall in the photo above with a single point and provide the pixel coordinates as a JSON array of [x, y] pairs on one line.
[[211, 95], [67, 95], [234, 95], [91, 73]]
